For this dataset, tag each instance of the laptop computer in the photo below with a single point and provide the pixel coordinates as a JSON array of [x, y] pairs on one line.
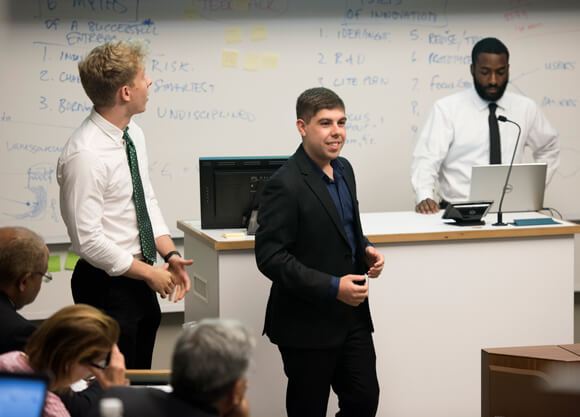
[[22, 395], [525, 190]]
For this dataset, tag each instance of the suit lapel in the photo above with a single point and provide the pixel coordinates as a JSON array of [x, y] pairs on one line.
[[318, 187], [349, 179]]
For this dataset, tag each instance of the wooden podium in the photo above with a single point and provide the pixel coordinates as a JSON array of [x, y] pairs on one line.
[[535, 381]]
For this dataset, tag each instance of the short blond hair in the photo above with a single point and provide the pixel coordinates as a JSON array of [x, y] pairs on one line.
[[77, 334], [109, 67]]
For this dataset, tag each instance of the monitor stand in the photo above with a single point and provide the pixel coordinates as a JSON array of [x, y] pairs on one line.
[[253, 223]]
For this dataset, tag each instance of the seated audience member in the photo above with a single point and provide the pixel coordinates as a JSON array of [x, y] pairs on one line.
[[23, 264], [69, 346], [208, 375]]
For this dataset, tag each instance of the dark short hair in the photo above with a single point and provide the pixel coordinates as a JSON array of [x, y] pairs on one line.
[[21, 251], [315, 99], [489, 46]]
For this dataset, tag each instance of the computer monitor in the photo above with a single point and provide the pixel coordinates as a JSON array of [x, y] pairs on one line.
[[525, 191], [22, 395], [230, 188]]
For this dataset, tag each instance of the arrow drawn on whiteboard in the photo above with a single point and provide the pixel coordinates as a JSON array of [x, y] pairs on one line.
[[512, 81], [33, 208]]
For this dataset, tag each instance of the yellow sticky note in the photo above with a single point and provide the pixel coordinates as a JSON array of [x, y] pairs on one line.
[[71, 261], [258, 33], [53, 263], [251, 62], [191, 13], [270, 60], [240, 5], [234, 34], [238, 235], [229, 58]]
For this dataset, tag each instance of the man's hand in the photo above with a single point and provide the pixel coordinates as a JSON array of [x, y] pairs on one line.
[[161, 280], [180, 278], [351, 293], [375, 261], [427, 206], [114, 373]]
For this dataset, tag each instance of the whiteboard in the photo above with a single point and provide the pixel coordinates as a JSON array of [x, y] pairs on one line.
[[226, 74]]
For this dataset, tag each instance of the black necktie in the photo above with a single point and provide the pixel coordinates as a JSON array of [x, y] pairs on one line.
[[494, 143], [143, 222]]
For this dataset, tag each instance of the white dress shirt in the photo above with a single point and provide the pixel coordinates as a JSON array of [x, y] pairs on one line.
[[456, 137], [96, 194]]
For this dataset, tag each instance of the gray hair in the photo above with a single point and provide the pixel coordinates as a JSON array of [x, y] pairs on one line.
[[21, 251], [208, 359]]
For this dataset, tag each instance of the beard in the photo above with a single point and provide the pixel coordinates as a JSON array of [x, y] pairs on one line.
[[483, 92]]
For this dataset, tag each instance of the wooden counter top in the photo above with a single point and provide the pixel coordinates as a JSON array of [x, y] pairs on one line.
[[398, 227]]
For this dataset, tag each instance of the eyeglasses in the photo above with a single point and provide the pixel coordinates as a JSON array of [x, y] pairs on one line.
[[46, 277], [102, 364]]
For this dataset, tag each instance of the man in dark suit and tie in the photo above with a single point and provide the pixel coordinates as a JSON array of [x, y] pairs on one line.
[[310, 244], [23, 264]]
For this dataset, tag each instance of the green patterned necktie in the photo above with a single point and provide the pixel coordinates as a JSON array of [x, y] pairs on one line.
[[143, 222]]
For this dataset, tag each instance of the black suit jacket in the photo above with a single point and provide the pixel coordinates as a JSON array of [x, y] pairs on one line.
[[300, 244], [152, 402], [14, 329]]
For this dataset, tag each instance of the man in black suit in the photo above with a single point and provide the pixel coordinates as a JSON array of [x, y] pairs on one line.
[[23, 264], [208, 376], [310, 244]]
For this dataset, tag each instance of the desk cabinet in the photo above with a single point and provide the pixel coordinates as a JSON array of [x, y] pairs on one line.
[[446, 292]]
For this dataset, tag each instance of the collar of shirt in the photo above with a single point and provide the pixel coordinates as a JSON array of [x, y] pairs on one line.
[[483, 105], [337, 167], [502, 102], [3, 294], [107, 127]]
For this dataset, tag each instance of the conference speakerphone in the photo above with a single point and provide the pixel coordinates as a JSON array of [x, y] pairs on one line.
[[469, 213]]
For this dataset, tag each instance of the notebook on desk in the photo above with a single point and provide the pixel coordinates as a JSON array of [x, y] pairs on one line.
[[22, 395], [525, 191]]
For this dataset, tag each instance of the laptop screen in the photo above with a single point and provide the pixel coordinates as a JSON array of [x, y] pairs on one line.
[[525, 191], [22, 395]]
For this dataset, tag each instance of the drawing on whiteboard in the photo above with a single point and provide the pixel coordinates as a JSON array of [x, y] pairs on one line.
[[32, 202]]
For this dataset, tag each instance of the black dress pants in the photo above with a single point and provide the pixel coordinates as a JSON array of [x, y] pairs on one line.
[[130, 301], [349, 369]]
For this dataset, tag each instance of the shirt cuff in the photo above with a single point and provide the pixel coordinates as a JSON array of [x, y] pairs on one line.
[[422, 195], [118, 268], [333, 289]]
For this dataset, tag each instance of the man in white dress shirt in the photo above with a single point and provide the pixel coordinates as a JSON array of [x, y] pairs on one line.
[[100, 210], [456, 135]]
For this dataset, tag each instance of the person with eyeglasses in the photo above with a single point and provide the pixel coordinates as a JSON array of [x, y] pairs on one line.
[[23, 267], [71, 345]]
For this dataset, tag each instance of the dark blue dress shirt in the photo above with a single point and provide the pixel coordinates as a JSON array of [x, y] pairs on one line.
[[343, 201]]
